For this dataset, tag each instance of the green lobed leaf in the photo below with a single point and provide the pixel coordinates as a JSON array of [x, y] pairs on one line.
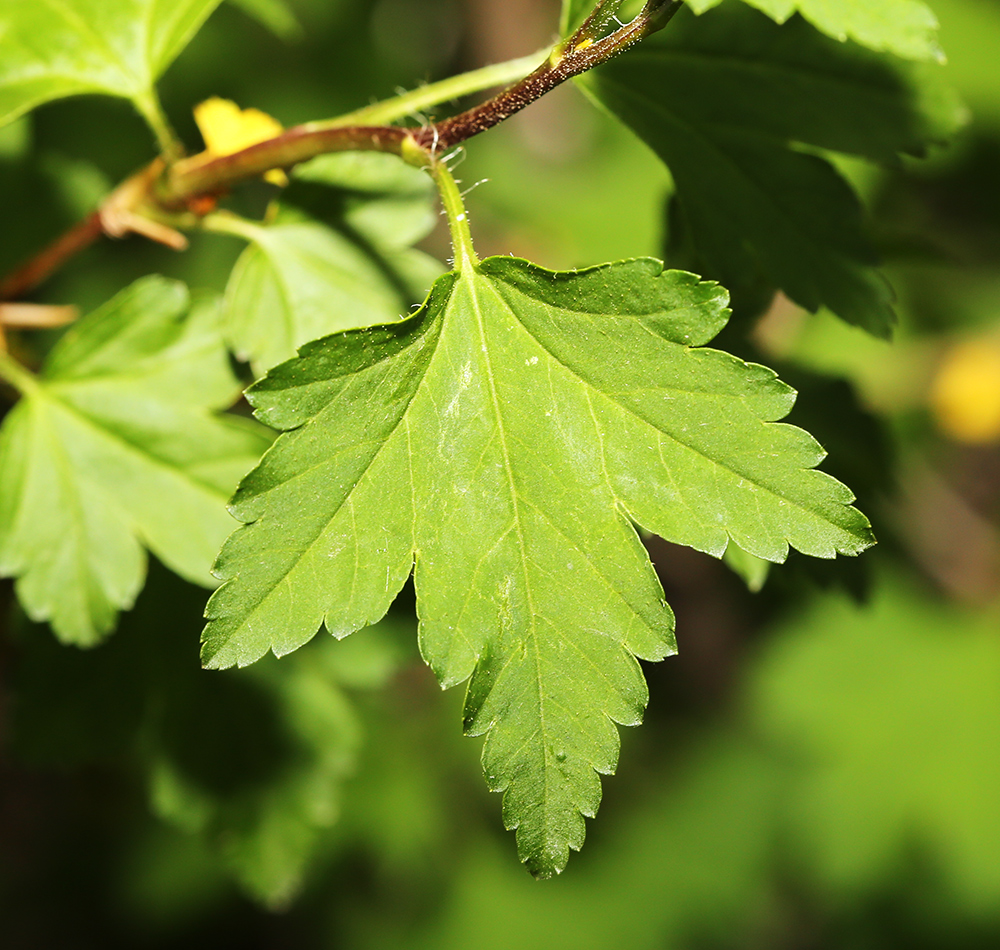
[[300, 279], [58, 48], [726, 100], [116, 447], [907, 28], [505, 438]]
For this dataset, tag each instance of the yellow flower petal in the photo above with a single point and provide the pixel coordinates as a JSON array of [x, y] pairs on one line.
[[226, 128], [965, 394]]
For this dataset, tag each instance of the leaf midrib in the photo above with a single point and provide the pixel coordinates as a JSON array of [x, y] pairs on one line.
[[134, 449], [474, 280]]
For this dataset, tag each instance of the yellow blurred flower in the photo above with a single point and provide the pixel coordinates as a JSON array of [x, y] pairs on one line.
[[965, 393], [226, 128]]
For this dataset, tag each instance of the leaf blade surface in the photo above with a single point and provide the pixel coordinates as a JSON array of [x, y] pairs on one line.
[[302, 278], [58, 48], [503, 440], [116, 449], [907, 28]]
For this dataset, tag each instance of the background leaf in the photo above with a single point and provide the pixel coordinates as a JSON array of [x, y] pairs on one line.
[[822, 690], [904, 27], [301, 279], [255, 764], [723, 99], [275, 15], [249, 763], [57, 48], [118, 448]]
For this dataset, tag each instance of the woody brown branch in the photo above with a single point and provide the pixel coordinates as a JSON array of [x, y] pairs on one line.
[[577, 55]]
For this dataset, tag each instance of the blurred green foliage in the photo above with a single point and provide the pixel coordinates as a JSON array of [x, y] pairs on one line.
[[820, 764]]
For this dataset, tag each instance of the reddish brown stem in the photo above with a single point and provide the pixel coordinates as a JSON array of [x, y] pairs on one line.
[[577, 55], [194, 177], [27, 277]]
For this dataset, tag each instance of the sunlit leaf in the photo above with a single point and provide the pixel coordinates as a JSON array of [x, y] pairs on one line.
[[57, 48], [503, 439], [301, 279]]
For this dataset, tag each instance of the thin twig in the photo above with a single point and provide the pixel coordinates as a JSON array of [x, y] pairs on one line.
[[35, 316], [30, 274], [599, 20], [578, 54], [415, 101], [193, 176]]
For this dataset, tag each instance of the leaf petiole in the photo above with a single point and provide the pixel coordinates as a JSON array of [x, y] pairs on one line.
[[19, 376], [225, 222], [149, 107], [458, 218]]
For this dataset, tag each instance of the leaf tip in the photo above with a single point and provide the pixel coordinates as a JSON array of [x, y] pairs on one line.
[[545, 865]]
